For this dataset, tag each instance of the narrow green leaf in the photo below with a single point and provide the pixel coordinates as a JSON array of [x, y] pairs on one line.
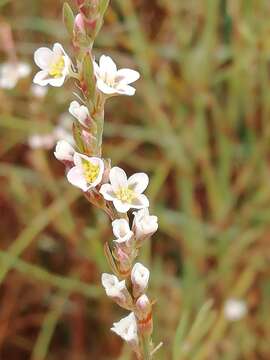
[[68, 18], [103, 5], [88, 75]]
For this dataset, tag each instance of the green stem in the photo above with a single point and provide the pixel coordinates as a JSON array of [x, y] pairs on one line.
[[146, 348]]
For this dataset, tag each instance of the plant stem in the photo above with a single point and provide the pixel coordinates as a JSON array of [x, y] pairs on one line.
[[146, 348]]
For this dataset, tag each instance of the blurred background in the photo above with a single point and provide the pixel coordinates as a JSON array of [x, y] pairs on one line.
[[199, 125]]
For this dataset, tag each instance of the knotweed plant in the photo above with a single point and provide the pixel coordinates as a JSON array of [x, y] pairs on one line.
[[106, 187]]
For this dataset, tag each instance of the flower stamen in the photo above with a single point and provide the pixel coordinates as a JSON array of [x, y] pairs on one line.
[[125, 195], [56, 68], [91, 171]]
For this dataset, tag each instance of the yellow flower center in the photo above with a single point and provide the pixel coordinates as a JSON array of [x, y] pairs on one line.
[[56, 68], [125, 195], [91, 171]]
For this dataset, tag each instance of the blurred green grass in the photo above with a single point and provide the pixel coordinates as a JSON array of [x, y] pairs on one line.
[[199, 126]]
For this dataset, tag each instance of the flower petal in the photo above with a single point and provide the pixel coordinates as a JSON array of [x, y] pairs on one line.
[[125, 90], [127, 76], [138, 182], [43, 57], [107, 192], [106, 89], [41, 78], [76, 178], [120, 228], [118, 178], [57, 82], [139, 202], [120, 206], [107, 65]]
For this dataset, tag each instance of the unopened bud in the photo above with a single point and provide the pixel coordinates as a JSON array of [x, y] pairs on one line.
[[139, 278], [117, 290], [144, 225], [64, 151], [79, 24], [143, 312]]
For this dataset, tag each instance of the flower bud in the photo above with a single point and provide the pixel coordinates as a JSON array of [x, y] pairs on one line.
[[126, 328], [144, 225], [80, 112], [79, 24], [143, 312], [139, 278], [117, 290], [124, 236], [64, 151]]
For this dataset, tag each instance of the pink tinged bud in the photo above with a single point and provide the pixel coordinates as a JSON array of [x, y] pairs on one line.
[[79, 24], [117, 290], [143, 312], [139, 278], [124, 236]]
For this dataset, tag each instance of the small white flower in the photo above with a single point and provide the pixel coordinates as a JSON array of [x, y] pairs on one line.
[[126, 193], [64, 151], [80, 112], [122, 232], [39, 91], [87, 172], [139, 278], [41, 141], [10, 73], [55, 65], [143, 313], [126, 328], [112, 81], [144, 225], [235, 309], [117, 290]]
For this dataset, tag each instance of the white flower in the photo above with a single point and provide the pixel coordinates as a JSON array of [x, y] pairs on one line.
[[55, 65], [112, 81], [139, 278], [126, 193], [235, 309], [126, 328], [39, 91], [80, 112], [10, 73], [122, 232], [117, 290], [64, 151], [41, 141], [144, 225], [87, 172]]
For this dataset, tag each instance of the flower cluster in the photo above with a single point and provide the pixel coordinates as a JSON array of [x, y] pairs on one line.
[[104, 186]]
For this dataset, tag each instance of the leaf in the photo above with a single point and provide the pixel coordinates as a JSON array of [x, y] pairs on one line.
[[103, 5], [77, 134], [88, 75], [68, 18]]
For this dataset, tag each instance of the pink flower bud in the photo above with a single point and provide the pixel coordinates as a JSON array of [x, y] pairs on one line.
[[139, 278], [79, 24], [143, 312]]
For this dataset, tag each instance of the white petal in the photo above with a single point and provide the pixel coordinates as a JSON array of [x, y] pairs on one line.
[[76, 178], [120, 228], [120, 206], [118, 178], [64, 151], [41, 78], [125, 90], [58, 49], [107, 192], [107, 65], [57, 82], [106, 89], [24, 69], [139, 202], [138, 182], [127, 76], [43, 57]]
